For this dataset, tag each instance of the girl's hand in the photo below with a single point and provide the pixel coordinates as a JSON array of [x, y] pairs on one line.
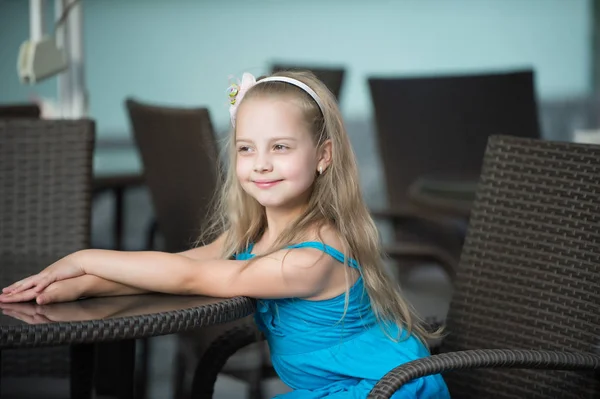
[[66, 268], [59, 291]]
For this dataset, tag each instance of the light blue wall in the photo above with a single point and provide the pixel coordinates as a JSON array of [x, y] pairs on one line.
[[182, 51], [14, 30]]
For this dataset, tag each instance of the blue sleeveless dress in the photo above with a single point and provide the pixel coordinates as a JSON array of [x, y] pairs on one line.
[[319, 354]]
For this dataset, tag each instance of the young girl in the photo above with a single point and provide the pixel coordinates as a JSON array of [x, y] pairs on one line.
[[292, 216]]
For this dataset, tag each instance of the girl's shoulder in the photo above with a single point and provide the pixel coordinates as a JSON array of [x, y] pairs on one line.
[[328, 235], [320, 237], [313, 247], [324, 240]]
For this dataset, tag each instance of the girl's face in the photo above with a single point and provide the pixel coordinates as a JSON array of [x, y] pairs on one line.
[[276, 161]]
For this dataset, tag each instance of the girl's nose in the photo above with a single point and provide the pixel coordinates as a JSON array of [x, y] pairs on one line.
[[262, 164]]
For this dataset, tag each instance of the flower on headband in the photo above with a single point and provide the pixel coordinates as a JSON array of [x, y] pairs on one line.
[[232, 92], [236, 92]]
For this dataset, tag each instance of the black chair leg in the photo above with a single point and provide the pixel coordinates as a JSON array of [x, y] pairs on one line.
[[0, 373], [215, 357], [141, 372], [179, 391], [255, 390], [256, 383]]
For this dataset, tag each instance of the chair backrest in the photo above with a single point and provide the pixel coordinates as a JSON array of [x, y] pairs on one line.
[[45, 181], [433, 125], [530, 267], [18, 111], [45, 213], [333, 78], [179, 154]]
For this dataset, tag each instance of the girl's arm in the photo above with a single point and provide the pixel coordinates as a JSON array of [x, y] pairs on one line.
[[72, 289], [303, 272], [286, 273], [93, 286], [97, 286]]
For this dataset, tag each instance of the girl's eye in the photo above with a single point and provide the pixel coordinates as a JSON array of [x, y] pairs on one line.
[[243, 148], [280, 147]]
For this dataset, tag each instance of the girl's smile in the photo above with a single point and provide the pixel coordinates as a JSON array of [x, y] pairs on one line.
[[264, 184]]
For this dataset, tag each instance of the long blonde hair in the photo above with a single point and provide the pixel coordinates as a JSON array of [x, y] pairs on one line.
[[336, 200]]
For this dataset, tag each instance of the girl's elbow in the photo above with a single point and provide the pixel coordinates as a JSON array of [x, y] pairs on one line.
[[217, 289], [190, 287], [197, 286]]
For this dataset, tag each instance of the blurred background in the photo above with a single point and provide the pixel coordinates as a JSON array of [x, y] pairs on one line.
[[184, 53]]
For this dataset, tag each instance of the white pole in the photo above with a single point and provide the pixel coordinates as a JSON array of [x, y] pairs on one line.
[[36, 20], [63, 98], [79, 106]]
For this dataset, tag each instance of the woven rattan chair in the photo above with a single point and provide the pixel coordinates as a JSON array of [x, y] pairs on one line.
[[45, 181], [526, 293], [440, 125], [19, 111], [179, 157], [179, 154], [333, 78]]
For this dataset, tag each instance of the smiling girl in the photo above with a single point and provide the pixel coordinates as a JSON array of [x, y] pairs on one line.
[[292, 217]]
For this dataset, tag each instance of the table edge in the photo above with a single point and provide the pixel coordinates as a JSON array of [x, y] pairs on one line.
[[125, 327]]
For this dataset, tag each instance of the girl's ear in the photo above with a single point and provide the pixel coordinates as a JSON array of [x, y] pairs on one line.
[[325, 155]]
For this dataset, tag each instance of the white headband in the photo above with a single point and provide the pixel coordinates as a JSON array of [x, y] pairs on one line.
[[296, 83], [236, 92]]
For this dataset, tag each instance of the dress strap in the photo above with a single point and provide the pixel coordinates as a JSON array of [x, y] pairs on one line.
[[334, 253]]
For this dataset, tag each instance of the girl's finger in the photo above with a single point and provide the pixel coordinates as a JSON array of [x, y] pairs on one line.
[[24, 296], [31, 282], [18, 284], [12, 287], [22, 285], [52, 294], [43, 283]]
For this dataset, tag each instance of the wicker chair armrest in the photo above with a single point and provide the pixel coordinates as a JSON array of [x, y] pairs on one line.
[[405, 212], [398, 250], [408, 213], [214, 358], [452, 197], [481, 358]]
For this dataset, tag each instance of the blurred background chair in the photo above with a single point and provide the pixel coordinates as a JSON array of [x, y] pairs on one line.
[[179, 154], [179, 157], [19, 111], [45, 181], [332, 77], [431, 135], [528, 278]]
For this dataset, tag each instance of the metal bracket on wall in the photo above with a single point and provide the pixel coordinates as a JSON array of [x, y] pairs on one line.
[[596, 46]]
